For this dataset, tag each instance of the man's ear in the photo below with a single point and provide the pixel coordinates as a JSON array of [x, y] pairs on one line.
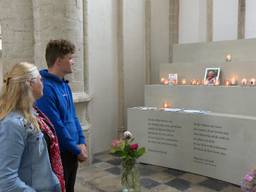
[[57, 61]]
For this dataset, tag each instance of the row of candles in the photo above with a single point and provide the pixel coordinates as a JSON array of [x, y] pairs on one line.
[[231, 82]]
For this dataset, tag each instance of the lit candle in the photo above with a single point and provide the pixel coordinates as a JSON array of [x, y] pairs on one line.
[[198, 82], [166, 104], [166, 82], [183, 81], [244, 81], [162, 80], [252, 81], [233, 81], [227, 82], [228, 57], [193, 82], [217, 82]]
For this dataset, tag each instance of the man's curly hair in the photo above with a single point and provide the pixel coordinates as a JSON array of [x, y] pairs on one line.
[[58, 49]]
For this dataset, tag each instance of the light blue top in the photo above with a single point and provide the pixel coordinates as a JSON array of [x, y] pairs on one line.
[[24, 160]]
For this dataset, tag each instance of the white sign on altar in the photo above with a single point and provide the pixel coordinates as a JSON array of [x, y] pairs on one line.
[[215, 145]]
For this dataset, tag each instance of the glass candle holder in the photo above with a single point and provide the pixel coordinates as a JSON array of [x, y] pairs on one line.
[[252, 82], [244, 81]]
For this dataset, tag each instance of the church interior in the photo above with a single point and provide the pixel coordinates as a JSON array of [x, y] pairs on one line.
[[144, 66]]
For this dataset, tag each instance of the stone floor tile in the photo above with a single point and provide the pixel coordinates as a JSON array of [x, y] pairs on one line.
[[214, 184], [231, 188], [91, 173], [108, 183], [95, 160], [148, 183], [162, 177], [196, 188], [114, 170], [104, 156], [102, 165], [164, 188], [115, 161], [82, 186], [192, 178], [179, 184], [146, 170]]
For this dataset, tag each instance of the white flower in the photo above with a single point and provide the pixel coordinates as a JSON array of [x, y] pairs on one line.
[[127, 135]]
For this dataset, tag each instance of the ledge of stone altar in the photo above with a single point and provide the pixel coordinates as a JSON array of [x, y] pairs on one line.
[[81, 97]]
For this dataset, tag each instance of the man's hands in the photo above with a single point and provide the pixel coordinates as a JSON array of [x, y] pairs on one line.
[[83, 154]]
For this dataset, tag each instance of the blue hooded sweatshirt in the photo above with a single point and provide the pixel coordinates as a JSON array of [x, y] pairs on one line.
[[57, 104]]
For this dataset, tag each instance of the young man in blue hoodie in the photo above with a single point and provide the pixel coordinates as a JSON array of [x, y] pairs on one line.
[[57, 103]]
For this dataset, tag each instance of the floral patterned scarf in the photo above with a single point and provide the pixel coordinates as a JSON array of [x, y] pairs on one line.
[[54, 152]]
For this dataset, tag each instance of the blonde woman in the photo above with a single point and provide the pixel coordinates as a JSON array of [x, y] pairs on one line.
[[24, 161]]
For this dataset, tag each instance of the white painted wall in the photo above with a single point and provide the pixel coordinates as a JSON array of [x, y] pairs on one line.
[[192, 26], [1, 65], [102, 72], [159, 36], [0, 37], [225, 19], [250, 21], [134, 52]]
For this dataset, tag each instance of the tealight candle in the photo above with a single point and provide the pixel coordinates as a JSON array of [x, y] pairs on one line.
[[252, 81], [233, 81], [244, 81], [166, 82], [227, 82], [166, 104], [198, 82], [162, 80], [183, 81], [228, 57], [193, 82], [217, 82]]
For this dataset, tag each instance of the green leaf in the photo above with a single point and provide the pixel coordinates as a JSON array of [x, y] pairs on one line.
[[140, 152]]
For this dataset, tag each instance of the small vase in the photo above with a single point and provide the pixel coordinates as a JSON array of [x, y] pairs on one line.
[[130, 178]]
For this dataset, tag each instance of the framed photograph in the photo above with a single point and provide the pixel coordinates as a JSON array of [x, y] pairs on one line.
[[211, 76], [173, 78]]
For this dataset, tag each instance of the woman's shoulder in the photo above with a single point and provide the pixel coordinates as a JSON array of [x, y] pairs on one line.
[[14, 120]]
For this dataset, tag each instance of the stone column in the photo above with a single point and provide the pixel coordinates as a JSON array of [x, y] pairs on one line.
[[241, 19], [60, 19], [17, 32], [209, 25], [120, 60], [148, 41], [174, 25]]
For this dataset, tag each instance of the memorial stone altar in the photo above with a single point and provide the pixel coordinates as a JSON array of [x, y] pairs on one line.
[[208, 130], [217, 145]]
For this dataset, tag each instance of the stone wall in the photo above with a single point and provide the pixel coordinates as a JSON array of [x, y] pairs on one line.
[[28, 25]]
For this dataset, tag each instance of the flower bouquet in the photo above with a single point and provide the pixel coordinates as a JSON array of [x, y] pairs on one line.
[[128, 152], [249, 182]]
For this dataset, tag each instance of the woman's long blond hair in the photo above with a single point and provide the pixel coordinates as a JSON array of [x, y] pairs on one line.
[[17, 94]]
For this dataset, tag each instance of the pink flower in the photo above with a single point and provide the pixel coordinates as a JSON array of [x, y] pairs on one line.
[[248, 178], [134, 146], [116, 143]]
